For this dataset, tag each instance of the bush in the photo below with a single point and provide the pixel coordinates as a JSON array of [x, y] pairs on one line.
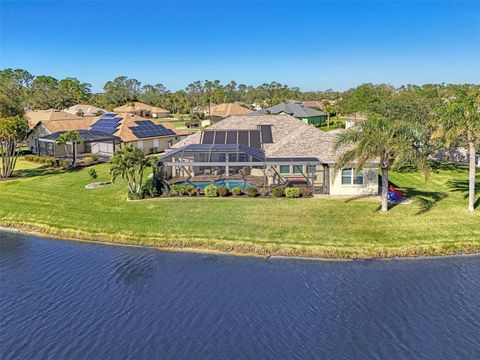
[[211, 191], [223, 191], [190, 190], [306, 192], [134, 196], [278, 191], [292, 192], [178, 190], [88, 161], [148, 188], [264, 191], [93, 173], [236, 191], [251, 192]]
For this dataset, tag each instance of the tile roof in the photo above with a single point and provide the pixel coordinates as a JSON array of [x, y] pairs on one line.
[[291, 137], [139, 106], [87, 110], [35, 116], [228, 109]]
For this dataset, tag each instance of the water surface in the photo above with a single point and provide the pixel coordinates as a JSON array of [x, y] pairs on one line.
[[72, 300]]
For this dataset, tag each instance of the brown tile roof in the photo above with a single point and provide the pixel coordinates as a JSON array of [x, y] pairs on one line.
[[139, 106], [228, 109], [291, 137], [86, 109], [128, 120], [66, 125], [313, 104], [35, 116]]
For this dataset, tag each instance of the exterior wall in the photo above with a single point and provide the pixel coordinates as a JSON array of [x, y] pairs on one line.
[[39, 131], [369, 187], [315, 120], [104, 149], [318, 178], [149, 145]]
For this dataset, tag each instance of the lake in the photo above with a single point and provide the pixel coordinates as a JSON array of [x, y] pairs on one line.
[[72, 300]]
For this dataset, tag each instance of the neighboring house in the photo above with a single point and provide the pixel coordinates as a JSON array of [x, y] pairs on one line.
[[35, 116], [221, 111], [455, 155], [315, 104], [146, 134], [47, 127], [274, 149], [307, 115], [354, 119], [141, 109], [85, 110]]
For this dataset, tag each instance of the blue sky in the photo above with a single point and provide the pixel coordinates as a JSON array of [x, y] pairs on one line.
[[312, 45]]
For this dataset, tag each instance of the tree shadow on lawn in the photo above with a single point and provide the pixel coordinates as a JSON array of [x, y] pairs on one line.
[[461, 186], [38, 171]]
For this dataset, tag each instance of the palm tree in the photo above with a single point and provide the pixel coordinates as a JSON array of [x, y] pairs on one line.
[[377, 139], [327, 107], [129, 163], [70, 137], [460, 125]]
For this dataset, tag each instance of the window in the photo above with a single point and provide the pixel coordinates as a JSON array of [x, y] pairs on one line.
[[312, 169], [284, 169], [348, 177], [297, 169]]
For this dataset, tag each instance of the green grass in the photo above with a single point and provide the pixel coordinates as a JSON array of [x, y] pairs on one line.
[[436, 223], [335, 123]]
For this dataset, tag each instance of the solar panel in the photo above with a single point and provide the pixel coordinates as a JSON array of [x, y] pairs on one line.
[[147, 128], [255, 139], [243, 137], [219, 137], [266, 131], [208, 137], [109, 115]]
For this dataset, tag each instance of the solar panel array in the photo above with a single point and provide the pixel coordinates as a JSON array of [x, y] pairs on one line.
[[250, 138], [107, 124], [147, 128]]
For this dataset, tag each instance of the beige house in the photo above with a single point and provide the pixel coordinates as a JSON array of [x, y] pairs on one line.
[[35, 116], [141, 109], [85, 110], [221, 111], [275, 150]]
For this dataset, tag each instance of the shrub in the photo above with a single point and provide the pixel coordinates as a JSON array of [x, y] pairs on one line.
[[190, 190], [236, 191], [264, 191], [88, 160], [292, 192], [134, 196], [95, 158], [306, 192], [148, 188], [178, 190], [65, 164], [278, 191], [211, 191], [223, 191], [251, 192], [93, 173]]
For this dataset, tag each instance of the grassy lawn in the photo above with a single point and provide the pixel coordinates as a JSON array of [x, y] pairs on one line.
[[437, 221]]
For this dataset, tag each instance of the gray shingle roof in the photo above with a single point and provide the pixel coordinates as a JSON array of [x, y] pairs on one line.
[[291, 137], [294, 109]]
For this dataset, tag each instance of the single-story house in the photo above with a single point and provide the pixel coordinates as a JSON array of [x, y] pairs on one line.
[[150, 135], [85, 110], [216, 113], [271, 150], [141, 109], [35, 116], [307, 115], [455, 155], [47, 127], [314, 104]]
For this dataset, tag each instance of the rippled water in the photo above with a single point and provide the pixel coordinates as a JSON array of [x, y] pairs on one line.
[[71, 300]]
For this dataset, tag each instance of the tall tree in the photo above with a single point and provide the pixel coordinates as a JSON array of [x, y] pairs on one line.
[[44, 92], [15, 88], [71, 92], [13, 132], [460, 126]]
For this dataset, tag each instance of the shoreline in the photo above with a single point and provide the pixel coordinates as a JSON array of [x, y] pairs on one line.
[[204, 248]]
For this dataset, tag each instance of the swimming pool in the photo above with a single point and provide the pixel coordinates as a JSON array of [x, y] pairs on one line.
[[227, 183]]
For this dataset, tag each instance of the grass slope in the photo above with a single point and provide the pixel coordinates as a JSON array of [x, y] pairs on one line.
[[436, 223]]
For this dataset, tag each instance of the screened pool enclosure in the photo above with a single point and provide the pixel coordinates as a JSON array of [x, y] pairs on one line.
[[238, 161]]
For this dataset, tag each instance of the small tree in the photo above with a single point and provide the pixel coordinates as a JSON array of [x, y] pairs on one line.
[[130, 163], [13, 132], [70, 137]]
